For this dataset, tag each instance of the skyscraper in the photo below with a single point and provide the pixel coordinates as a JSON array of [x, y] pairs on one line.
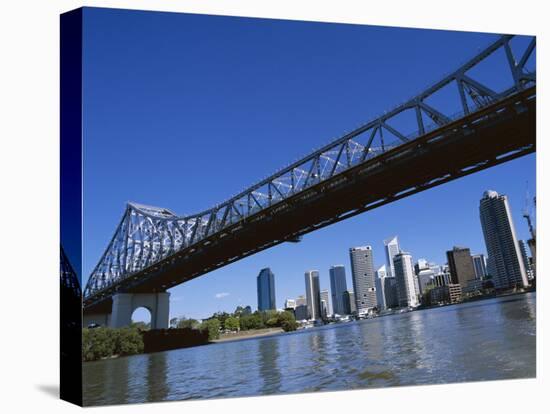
[[391, 246], [404, 274], [505, 261], [380, 296], [461, 265], [266, 289], [480, 265], [338, 286], [313, 294], [325, 304], [362, 271]]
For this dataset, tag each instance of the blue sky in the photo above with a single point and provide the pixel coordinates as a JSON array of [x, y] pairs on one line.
[[183, 111]]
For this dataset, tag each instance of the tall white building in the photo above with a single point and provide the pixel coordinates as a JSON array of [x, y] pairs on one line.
[[391, 246], [407, 294], [362, 272], [313, 294], [338, 288], [505, 258], [381, 275]]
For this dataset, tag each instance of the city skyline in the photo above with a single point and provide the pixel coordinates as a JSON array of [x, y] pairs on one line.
[[324, 284], [379, 260]]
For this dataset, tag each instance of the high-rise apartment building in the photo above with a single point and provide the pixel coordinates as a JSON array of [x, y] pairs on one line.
[[338, 287], [266, 289], [407, 294], [505, 261], [362, 272], [313, 294]]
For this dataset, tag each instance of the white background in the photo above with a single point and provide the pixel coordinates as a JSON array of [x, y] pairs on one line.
[[29, 174]]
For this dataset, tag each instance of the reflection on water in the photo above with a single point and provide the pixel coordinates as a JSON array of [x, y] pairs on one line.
[[486, 340], [268, 366], [156, 377]]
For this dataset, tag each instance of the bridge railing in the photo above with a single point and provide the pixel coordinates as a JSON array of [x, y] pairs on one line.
[[147, 235]]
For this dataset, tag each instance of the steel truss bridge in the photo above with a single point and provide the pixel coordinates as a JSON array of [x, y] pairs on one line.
[[153, 249]]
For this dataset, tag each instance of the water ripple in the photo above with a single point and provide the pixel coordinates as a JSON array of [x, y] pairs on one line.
[[493, 339]]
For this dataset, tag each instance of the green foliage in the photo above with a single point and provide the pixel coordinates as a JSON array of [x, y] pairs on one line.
[[244, 321], [221, 316], [100, 343], [272, 322], [97, 343], [271, 318], [128, 341], [253, 321], [287, 321], [187, 323], [232, 324], [212, 325], [267, 315]]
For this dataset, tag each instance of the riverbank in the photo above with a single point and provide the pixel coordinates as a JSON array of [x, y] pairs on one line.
[[253, 333], [480, 298]]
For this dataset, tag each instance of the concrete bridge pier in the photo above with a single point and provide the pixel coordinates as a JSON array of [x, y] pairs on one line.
[[124, 305]]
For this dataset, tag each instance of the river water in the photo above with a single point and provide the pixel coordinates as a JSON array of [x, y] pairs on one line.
[[478, 341]]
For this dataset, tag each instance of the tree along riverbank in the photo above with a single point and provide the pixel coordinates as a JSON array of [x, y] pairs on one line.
[[102, 343]]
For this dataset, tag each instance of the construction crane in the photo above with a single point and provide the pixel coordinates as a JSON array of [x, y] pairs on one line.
[[532, 242], [527, 213]]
